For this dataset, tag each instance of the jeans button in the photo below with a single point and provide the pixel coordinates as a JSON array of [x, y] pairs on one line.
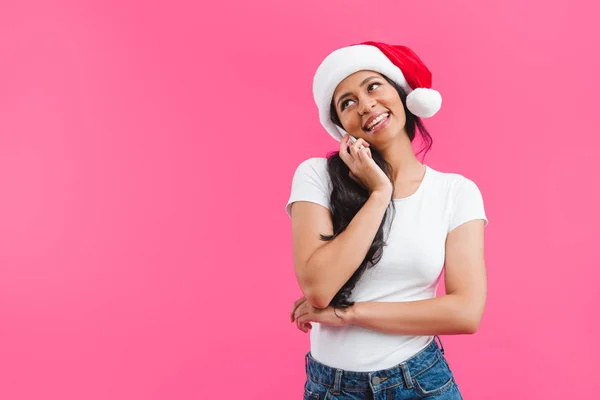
[[376, 380]]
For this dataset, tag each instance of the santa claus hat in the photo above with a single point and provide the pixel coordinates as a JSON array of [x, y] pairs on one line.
[[398, 63]]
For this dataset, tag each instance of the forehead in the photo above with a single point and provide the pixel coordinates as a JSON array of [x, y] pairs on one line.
[[352, 82]]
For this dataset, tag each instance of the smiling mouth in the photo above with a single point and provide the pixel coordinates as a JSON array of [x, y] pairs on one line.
[[376, 122]]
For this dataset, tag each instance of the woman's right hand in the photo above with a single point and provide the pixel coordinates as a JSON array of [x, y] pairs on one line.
[[363, 169]]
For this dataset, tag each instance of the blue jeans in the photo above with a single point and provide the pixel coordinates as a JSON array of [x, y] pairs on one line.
[[424, 375]]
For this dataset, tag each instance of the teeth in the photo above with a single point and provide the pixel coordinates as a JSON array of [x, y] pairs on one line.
[[377, 120]]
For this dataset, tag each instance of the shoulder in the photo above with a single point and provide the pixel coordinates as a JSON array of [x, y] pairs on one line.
[[310, 183], [451, 181], [318, 164], [314, 168], [455, 188], [461, 196]]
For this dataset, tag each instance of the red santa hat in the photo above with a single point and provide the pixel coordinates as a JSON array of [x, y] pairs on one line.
[[398, 63]]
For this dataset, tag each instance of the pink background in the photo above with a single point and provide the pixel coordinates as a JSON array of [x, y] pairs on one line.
[[146, 155]]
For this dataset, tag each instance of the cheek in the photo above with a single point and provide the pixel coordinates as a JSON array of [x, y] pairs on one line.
[[391, 98], [399, 111], [396, 105], [350, 122]]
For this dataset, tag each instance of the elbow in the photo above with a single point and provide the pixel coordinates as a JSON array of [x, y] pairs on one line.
[[315, 294], [471, 326], [316, 298], [470, 322], [319, 304], [469, 316], [318, 301]]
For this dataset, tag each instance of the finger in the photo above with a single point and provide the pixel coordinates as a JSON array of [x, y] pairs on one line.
[[300, 312], [361, 143], [366, 156], [363, 155], [354, 150], [306, 327], [303, 322], [358, 146], [299, 301], [344, 144], [297, 304]]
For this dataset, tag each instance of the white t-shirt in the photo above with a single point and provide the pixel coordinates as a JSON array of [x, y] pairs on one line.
[[410, 268]]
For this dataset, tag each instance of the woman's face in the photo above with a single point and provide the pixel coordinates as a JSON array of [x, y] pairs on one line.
[[369, 107]]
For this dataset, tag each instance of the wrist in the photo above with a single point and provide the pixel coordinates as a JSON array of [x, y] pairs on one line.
[[382, 195], [349, 315]]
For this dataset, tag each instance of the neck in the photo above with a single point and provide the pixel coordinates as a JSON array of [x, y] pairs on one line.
[[400, 155]]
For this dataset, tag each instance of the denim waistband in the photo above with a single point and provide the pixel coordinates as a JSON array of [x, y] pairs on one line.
[[401, 374]]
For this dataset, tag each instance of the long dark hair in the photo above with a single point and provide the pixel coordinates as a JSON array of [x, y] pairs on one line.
[[347, 197]]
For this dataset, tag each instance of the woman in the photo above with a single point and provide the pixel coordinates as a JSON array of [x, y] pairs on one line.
[[373, 230]]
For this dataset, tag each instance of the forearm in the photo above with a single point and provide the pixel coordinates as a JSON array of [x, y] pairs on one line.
[[335, 262], [445, 315]]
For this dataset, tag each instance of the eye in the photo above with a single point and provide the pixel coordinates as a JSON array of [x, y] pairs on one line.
[[345, 104], [373, 86]]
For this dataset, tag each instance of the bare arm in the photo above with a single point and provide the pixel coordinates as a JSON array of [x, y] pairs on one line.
[[459, 311], [322, 268]]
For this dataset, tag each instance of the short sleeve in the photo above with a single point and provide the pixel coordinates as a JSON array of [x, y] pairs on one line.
[[467, 204], [310, 183]]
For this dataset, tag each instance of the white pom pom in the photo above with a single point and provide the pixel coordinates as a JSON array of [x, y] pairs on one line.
[[423, 102]]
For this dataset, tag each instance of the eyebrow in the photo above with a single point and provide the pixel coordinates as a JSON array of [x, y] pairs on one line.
[[342, 97]]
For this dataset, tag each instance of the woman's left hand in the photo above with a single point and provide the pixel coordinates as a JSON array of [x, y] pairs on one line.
[[304, 313]]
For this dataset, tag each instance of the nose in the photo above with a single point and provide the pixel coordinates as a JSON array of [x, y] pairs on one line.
[[366, 104]]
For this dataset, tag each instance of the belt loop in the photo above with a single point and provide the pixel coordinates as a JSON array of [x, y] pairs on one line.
[[306, 363], [441, 344], [406, 375], [337, 385]]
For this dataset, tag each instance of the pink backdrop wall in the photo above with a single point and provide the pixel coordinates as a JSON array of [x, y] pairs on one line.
[[146, 153]]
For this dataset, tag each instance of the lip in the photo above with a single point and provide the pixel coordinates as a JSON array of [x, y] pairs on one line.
[[380, 126]]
